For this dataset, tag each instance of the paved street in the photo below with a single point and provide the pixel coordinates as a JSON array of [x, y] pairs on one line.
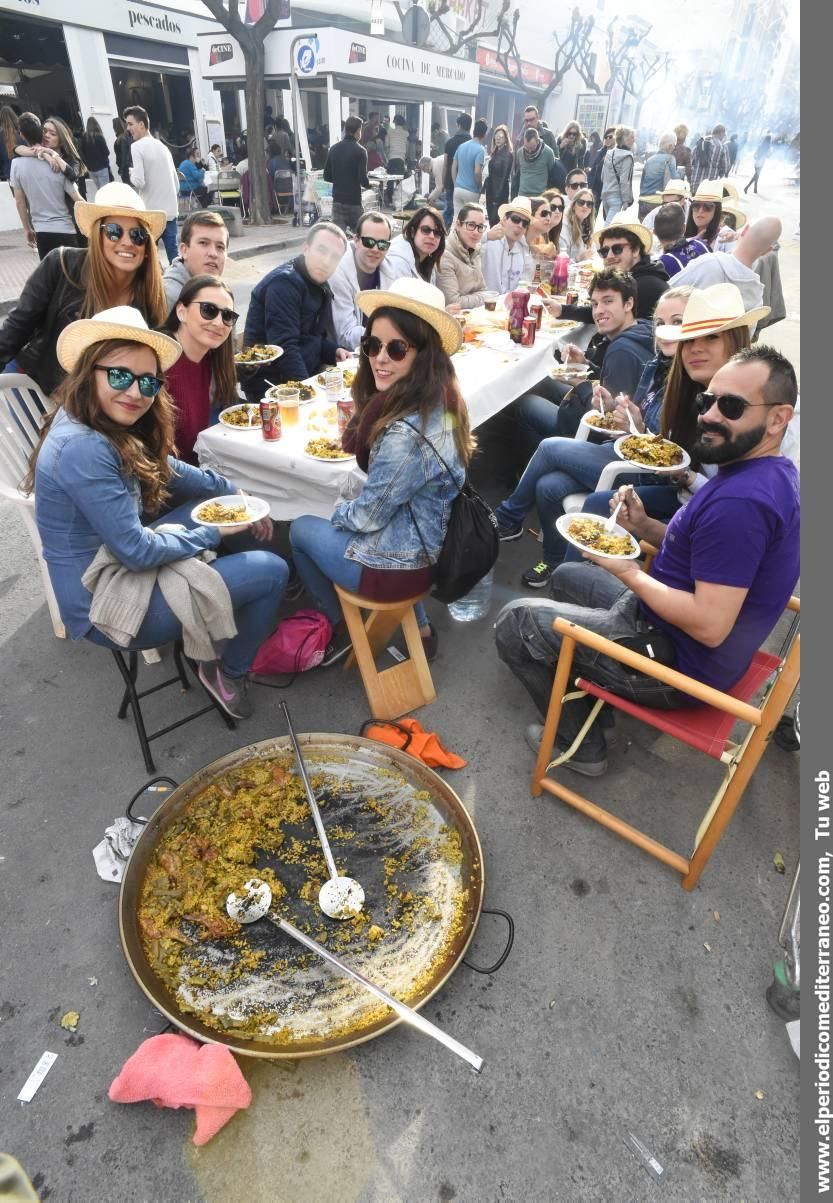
[[626, 1007]]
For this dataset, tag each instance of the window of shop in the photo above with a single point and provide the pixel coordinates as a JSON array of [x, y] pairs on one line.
[[158, 79], [35, 65]]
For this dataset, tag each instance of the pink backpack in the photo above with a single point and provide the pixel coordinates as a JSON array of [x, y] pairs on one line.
[[299, 643]]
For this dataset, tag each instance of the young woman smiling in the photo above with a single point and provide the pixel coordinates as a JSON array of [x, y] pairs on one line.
[[104, 460], [409, 413], [120, 266], [577, 231], [538, 235], [460, 275], [417, 251], [201, 322]]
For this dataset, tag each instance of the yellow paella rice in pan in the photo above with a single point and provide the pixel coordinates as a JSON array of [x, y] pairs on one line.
[[251, 982]]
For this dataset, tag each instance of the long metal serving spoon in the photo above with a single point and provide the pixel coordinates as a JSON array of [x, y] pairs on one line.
[[255, 904], [340, 897]]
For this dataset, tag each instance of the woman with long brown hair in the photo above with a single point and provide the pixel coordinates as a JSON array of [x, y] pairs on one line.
[[500, 163], [410, 433], [202, 322], [557, 207], [537, 237], [417, 251], [10, 138], [105, 459], [96, 153], [577, 232], [120, 266]]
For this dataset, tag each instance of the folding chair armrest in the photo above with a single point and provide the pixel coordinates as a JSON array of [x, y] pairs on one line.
[[612, 470], [660, 672], [649, 552], [794, 604]]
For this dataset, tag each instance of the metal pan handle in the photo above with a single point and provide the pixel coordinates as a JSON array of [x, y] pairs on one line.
[[510, 940], [129, 812]]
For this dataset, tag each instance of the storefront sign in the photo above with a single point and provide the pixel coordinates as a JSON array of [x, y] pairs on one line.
[[145, 21], [358, 53], [178, 23], [221, 52], [531, 73]]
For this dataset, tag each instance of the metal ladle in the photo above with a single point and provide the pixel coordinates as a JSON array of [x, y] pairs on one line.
[[255, 904], [340, 897]]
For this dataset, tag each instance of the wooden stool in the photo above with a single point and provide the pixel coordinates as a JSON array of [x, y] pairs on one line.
[[403, 687]]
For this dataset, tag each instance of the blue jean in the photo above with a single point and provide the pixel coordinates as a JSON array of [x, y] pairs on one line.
[[538, 415], [101, 177], [660, 501], [559, 467], [169, 239], [448, 212], [256, 581], [318, 550]]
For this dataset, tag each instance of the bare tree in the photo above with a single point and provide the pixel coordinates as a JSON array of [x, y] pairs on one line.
[[640, 71], [250, 39]]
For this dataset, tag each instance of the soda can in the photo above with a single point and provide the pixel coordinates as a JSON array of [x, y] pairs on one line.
[[536, 310], [571, 297], [346, 410], [270, 421], [528, 337]]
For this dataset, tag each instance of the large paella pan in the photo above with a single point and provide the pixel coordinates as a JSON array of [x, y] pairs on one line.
[[393, 824]]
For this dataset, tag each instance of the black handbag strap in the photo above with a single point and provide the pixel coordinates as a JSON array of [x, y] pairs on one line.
[[420, 435]]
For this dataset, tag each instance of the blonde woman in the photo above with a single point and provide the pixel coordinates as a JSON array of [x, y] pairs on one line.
[[572, 146], [579, 222]]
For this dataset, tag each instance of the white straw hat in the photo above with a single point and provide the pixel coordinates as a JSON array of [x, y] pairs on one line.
[[672, 188], [118, 200], [709, 190], [736, 212], [123, 323], [710, 311], [521, 205], [420, 298], [646, 238]]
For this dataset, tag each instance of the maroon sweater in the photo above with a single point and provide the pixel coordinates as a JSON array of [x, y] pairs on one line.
[[189, 384]]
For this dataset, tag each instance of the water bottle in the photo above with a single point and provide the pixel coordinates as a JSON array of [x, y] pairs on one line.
[[474, 604]]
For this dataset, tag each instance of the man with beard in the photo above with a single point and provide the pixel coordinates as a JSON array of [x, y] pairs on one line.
[[726, 566]]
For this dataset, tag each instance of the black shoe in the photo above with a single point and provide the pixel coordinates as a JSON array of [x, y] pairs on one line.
[[583, 760], [539, 576], [430, 643], [338, 648], [507, 533]]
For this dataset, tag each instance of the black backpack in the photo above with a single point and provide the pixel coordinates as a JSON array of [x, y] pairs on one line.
[[471, 543]]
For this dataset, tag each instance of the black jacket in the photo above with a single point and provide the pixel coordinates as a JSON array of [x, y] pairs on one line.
[[289, 310], [51, 299], [651, 282], [346, 170], [451, 145]]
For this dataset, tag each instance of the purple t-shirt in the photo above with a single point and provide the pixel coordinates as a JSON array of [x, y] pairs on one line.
[[741, 529]]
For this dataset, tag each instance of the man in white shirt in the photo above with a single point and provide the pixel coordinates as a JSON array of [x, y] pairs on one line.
[[153, 173], [360, 269], [754, 240], [507, 260]]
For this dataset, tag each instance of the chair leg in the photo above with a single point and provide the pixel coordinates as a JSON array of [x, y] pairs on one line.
[[559, 688], [180, 667], [131, 699]]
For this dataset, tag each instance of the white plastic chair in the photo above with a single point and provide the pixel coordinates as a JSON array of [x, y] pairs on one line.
[[573, 502], [23, 408]]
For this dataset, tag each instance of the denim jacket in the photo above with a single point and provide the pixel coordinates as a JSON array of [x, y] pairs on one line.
[[83, 500], [408, 493]]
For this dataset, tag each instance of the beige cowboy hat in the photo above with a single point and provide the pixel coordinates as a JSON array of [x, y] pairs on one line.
[[118, 200], [521, 205], [646, 238], [123, 323], [673, 187], [709, 190], [736, 212], [729, 189], [710, 311], [421, 299]]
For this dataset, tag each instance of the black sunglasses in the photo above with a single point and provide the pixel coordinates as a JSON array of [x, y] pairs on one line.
[[544, 213], [382, 243], [138, 235], [580, 184], [209, 312], [122, 378], [615, 249], [430, 230], [578, 204], [396, 349], [518, 221], [557, 209], [709, 206], [730, 404]]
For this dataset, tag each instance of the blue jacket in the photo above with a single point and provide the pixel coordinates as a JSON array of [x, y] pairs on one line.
[[407, 493], [83, 500], [289, 310], [194, 176], [654, 175], [651, 390], [626, 356]]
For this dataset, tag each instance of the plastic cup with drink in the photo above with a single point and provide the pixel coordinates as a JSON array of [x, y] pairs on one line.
[[289, 402]]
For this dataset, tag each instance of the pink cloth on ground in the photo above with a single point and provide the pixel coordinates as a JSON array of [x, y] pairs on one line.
[[173, 1071]]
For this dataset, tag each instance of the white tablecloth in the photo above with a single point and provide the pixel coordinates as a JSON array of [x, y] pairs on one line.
[[294, 484]]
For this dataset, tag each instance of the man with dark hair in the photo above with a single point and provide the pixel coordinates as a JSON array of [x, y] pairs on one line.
[[467, 168], [291, 307], [594, 175], [40, 196], [346, 170], [361, 268], [573, 181], [727, 564], [533, 121], [193, 181], [153, 174], [710, 158], [202, 252], [669, 228], [462, 135]]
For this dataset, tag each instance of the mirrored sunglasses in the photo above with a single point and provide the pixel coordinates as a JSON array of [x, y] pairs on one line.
[[113, 232], [122, 378], [382, 243]]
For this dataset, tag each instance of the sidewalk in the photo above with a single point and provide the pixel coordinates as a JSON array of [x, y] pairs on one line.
[[17, 261]]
